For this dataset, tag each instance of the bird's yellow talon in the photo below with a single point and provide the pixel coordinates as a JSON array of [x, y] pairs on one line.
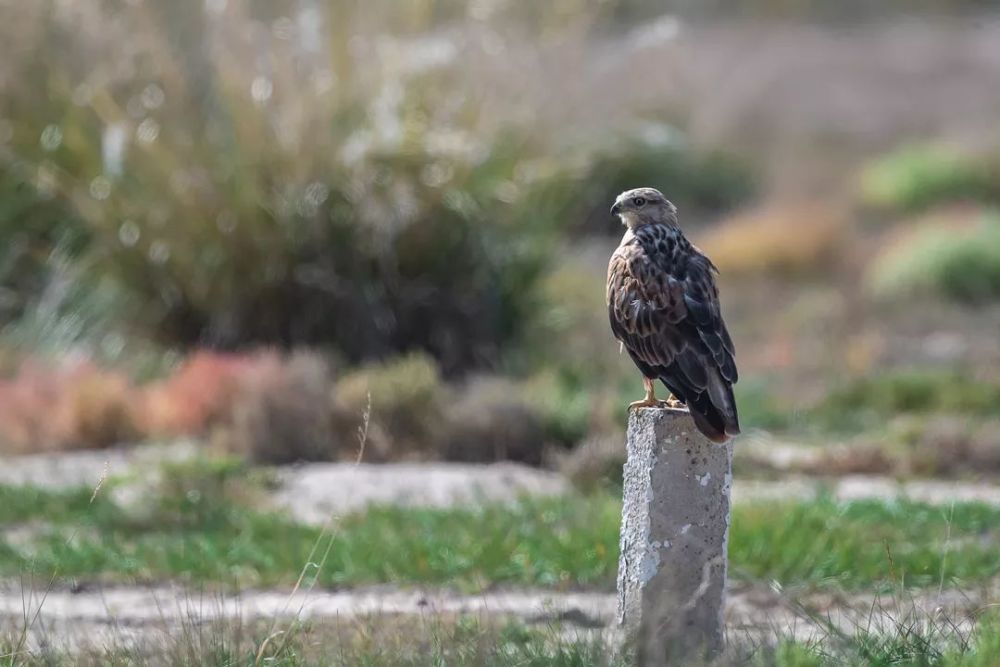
[[650, 401]]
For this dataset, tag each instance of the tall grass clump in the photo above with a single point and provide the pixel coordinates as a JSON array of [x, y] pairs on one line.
[[256, 176], [38, 233]]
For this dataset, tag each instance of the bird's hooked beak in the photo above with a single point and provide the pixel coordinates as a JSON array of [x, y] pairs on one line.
[[616, 209]]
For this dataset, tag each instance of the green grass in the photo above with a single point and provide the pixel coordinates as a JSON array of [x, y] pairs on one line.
[[870, 402], [205, 538], [918, 177], [216, 536], [907, 641], [865, 543]]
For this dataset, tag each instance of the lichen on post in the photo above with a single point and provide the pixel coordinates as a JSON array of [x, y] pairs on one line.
[[675, 525]]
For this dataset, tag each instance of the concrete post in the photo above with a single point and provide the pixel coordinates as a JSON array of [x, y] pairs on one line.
[[675, 525]]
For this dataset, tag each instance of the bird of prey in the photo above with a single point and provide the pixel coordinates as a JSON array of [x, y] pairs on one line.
[[664, 309]]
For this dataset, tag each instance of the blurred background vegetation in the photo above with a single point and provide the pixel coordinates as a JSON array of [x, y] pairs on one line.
[[256, 223]]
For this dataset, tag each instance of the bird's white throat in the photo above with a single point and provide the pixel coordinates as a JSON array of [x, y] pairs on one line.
[[630, 219]]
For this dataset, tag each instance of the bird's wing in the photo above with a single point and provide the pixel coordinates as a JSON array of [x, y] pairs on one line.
[[663, 305]]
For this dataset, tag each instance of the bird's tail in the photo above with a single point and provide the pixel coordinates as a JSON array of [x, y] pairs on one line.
[[714, 411]]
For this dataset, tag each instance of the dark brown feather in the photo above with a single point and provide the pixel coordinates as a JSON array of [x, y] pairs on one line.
[[663, 305]]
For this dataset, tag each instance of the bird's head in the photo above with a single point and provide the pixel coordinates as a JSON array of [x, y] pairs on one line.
[[644, 206]]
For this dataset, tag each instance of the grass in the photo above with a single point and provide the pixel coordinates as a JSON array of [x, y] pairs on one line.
[[384, 641], [869, 402], [961, 264], [206, 535], [918, 177], [204, 538], [864, 543], [376, 642], [202, 526], [905, 642]]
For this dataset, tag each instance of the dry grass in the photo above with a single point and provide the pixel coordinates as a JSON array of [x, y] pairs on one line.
[[780, 239], [282, 412], [491, 419], [595, 462], [199, 392], [275, 408], [405, 401], [65, 406], [919, 447]]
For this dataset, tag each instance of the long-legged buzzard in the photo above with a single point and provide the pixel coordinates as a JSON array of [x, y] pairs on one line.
[[664, 308]]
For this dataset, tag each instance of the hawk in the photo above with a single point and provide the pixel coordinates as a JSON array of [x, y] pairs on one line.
[[664, 309]]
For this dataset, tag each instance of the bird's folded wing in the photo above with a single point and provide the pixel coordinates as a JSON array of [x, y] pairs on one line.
[[662, 317]]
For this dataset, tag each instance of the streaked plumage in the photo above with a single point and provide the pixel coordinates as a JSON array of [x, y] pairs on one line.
[[663, 305]]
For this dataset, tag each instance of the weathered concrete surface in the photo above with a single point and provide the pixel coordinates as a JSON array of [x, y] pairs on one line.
[[313, 492], [675, 523]]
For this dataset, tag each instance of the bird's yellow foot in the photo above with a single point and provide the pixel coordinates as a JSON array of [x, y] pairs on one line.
[[650, 401], [672, 402]]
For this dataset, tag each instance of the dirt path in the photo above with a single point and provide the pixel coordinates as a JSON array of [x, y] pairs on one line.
[[113, 615]]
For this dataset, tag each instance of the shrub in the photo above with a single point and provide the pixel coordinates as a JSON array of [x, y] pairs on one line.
[[950, 446], [65, 406], [37, 234], [244, 181], [597, 462], [492, 419], [570, 407], [199, 392], [915, 446], [404, 399], [955, 262], [782, 240], [917, 177], [281, 411], [320, 198], [101, 409]]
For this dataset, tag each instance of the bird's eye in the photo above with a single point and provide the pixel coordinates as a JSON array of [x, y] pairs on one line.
[[639, 202]]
